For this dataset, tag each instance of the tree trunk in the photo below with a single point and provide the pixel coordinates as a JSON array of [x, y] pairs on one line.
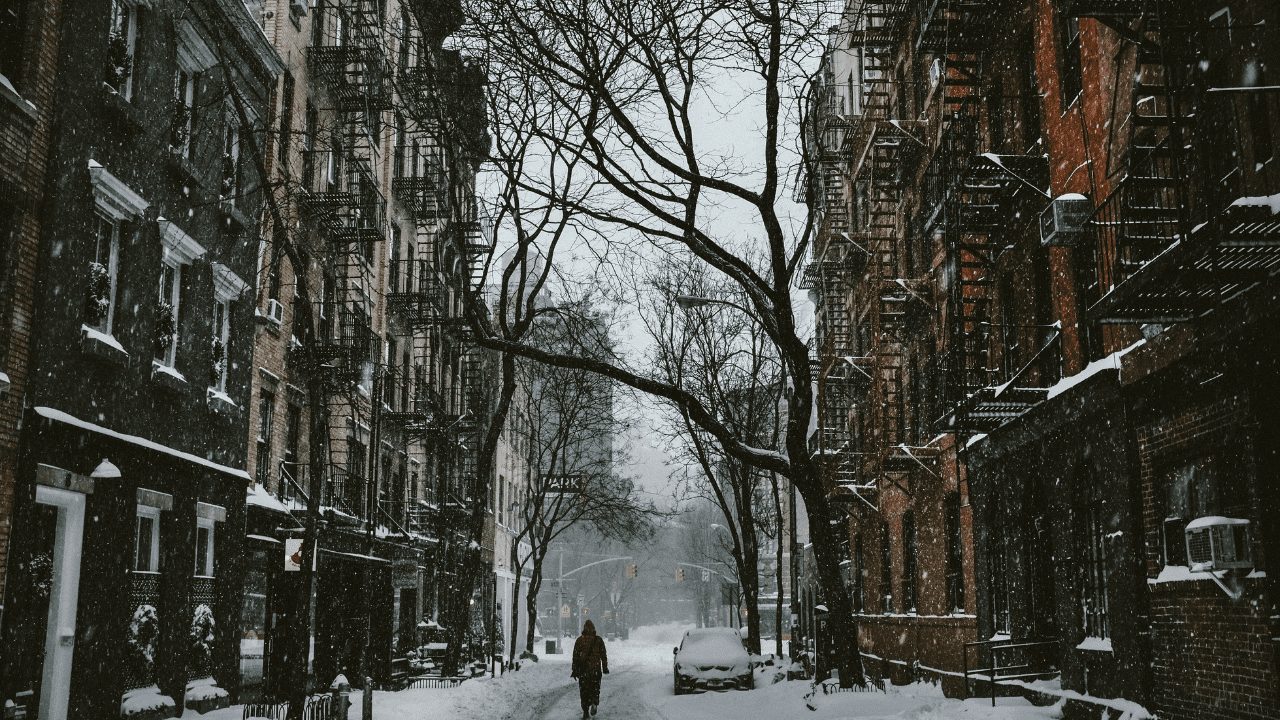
[[531, 609], [842, 628], [751, 591]]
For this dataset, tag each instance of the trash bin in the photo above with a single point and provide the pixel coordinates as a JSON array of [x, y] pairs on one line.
[[551, 647]]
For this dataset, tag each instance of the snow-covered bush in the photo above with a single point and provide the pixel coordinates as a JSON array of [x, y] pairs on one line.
[[144, 635], [165, 328], [202, 633], [97, 298], [219, 364]]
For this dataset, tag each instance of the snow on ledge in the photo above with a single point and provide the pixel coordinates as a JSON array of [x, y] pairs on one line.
[[104, 338], [258, 495], [1096, 644], [66, 419], [1110, 362], [1271, 202]]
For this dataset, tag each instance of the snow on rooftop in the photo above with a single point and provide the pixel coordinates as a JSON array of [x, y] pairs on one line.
[[258, 495], [67, 419]]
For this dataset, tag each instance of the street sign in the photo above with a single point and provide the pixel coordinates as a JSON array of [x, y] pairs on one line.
[[581, 598], [563, 484], [706, 576], [293, 555], [564, 611], [586, 611]]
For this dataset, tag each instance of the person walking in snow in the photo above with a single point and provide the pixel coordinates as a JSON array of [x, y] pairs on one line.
[[590, 661]]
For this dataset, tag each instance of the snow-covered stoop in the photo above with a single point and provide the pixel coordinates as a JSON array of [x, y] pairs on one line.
[[204, 695]]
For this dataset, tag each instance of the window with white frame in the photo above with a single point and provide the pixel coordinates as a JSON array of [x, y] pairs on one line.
[[147, 540], [180, 249], [184, 108], [167, 301], [122, 40], [227, 286], [103, 273], [204, 547], [194, 57], [231, 157], [115, 206]]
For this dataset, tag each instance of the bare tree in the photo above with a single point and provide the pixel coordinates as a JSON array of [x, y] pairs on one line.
[[722, 355], [572, 423], [630, 96]]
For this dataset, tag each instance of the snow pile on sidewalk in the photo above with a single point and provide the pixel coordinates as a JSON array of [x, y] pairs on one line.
[[786, 700]]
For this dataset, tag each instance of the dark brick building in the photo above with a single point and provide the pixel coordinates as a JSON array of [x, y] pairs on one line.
[[28, 62], [126, 566], [1055, 245]]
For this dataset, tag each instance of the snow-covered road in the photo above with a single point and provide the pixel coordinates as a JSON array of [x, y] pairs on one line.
[[639, 688]]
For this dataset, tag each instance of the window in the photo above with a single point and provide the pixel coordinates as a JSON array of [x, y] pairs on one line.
[[1196, 488], [310, 123], [204, 547], [231, 157], [955, 557], [12, 29], [999, 577], [286, 121], [147, 540], [909, 561], [886, 570], [101, 306], [1070, 77], [393, 269], [122, 38], [859, 570], [266, 429], [1094, 602], [184, 95], [221, 341], [167, 306]]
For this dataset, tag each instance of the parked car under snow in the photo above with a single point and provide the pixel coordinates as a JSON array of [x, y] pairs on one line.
[[712, 659]]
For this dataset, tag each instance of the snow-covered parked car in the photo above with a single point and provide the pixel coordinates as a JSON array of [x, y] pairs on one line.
[[712, 659]]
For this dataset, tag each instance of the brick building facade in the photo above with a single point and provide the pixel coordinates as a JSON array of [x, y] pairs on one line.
[[1082, 213], [28, 64], [126, 566], [368, 395]]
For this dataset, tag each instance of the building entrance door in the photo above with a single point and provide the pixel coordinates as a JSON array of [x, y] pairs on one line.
[[64, 511]]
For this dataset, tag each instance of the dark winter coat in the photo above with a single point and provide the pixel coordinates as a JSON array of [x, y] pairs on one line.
[[589, 656]]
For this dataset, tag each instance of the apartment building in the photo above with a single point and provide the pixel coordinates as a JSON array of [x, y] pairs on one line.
[[125, 566], [1063, 234], [369, 398]]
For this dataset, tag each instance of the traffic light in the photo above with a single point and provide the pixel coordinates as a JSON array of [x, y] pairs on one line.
[[631, 571], [679, 574]]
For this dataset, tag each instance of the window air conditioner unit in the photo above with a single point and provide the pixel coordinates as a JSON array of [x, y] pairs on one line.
[[275, 311], [1218, 543], [1062, 222]]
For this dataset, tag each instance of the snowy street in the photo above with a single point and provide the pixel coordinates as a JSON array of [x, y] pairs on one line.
[[639, 688]]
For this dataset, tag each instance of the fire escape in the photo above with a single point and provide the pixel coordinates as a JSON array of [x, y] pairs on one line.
[[340, 200], [973, 187], [1189, 228], [837, 259], [885, 148]]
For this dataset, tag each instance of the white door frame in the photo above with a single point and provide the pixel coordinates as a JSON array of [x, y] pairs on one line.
[[60, 636]]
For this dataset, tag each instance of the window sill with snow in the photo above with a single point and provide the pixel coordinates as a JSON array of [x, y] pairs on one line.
[[168, 377], [103, 345]]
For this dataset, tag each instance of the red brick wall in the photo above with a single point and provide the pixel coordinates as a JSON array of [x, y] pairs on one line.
[[1211, 656], [24, 144]]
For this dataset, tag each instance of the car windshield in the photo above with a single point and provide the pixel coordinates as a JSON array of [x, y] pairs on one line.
[[721, 643]]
